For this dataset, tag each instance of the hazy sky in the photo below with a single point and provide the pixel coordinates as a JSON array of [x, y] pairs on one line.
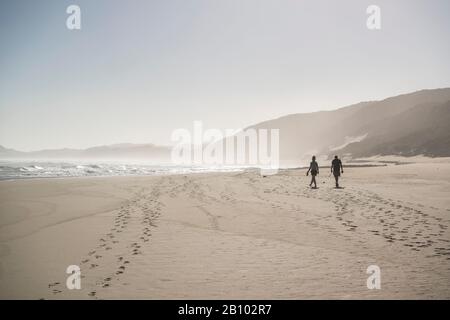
[[137, 70]]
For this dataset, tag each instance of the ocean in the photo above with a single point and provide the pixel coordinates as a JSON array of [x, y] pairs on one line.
[[52, 169]]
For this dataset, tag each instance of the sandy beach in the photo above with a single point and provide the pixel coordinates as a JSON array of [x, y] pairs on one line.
[[229, 235]]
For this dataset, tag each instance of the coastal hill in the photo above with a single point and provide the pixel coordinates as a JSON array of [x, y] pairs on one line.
[[407, 125]]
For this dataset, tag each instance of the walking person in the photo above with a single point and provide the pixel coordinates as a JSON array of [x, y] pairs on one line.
[[314, 168], [337, 169]]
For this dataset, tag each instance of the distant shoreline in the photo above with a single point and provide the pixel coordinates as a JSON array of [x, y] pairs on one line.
[[35, 169]]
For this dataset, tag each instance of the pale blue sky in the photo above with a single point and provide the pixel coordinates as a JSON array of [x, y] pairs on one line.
[[140, 69]]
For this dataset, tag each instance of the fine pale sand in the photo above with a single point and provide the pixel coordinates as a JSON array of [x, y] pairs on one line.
[[229, 235]]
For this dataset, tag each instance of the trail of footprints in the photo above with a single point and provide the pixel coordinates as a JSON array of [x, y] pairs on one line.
[[410, 225], [395, 221], [141, 212]]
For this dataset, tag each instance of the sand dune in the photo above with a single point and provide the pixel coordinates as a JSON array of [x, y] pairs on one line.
[[229, 235]]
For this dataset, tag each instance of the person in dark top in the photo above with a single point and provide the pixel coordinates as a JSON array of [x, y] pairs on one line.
[[314, 168], [337, 169]]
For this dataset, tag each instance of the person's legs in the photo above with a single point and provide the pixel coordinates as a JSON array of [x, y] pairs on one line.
[[336, 177], [314, 180]]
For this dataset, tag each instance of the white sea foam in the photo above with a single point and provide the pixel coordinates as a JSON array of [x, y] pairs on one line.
[[34, 169]]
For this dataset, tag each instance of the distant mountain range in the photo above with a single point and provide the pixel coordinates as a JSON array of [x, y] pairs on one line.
[[407, 125], [124, 151]]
